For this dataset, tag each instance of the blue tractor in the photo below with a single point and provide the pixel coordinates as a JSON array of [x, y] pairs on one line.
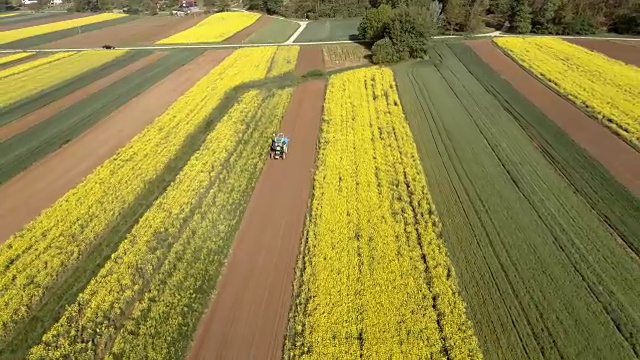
[[279, 144]]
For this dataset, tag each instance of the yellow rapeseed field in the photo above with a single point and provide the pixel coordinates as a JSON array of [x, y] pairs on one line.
[[6, 15], [141, 254], [189, 275], [214, 28], [365, 291], [284, 61], [609, 88], [19, 34], [14, 57], [34, 64], [33, 259], [65, 66]]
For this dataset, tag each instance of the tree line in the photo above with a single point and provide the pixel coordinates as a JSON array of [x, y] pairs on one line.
[[560, 17], [401, 29]]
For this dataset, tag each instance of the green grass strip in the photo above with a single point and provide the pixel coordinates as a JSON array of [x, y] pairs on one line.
[[58, 91], [21, 18], [610, 199], [542, 275], [22, 150], [34, 41], [28, 333], [276, 31], [330, 30]]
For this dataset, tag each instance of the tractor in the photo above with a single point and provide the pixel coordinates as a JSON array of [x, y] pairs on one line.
[[279, 144]]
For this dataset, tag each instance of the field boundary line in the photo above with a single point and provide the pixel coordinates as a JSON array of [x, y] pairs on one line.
[[289, 42]]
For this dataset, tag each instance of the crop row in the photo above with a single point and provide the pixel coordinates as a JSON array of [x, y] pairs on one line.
[[202, 205], [609, 88], [542, 274], [214, 28], [34, 259], [19, 34], [366, 289], [34, 143], [44, 94], [14, 57], [38, 75], [35, 64]]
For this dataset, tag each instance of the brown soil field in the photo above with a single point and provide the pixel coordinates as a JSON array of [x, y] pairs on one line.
[[621, 50], [144, 31], [34, 118], [41, 21], [247, 319], [243, 34], [310, 58], [622, 161], [38, 187]]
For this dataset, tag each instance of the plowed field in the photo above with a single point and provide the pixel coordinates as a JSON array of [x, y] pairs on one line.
[[627, 51], [144, 31]]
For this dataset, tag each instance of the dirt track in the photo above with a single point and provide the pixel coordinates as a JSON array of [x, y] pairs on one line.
[[144, 31], [248, 317], [34, 118], [310, 58], [622, 161], [621, 50], [41, 21], [243, 34], [38, 187]]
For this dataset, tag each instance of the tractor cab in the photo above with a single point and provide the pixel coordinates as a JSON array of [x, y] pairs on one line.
[[279, 146]]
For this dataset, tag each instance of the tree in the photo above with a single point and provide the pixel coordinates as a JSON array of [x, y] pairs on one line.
[[499, 7], [476, 10], [383, 52], [543, 20], [410, 30], [375, 22], [454, 15], [520, 17], [273, 6]]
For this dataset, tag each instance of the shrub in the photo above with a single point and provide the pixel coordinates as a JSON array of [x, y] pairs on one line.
[[383, 52]]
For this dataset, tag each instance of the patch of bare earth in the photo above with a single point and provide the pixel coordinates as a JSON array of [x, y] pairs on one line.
[[243, 34], [15, 127], [625, 51], [38, 187], [144, 31], [43, 20], [310, 58], [622, 161], [247, 319]]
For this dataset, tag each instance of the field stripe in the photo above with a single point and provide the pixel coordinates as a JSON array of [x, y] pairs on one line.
[[13, 36], [45, 95], [608, 197], [101, 141], [561, 279], [38, 40], [13, 57], [43, 113], [32, 65], [109, 209], [606, 88]]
